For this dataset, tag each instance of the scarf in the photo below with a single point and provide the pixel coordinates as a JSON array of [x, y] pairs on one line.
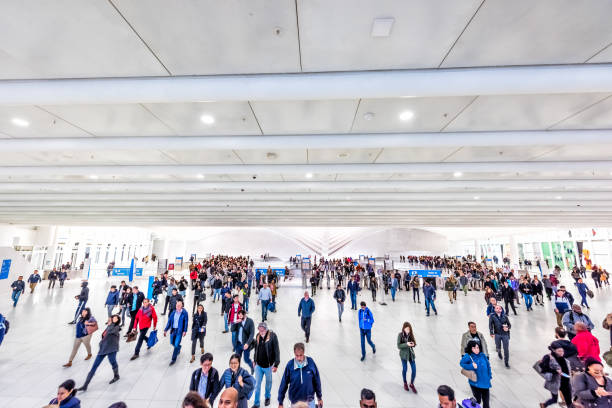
[[148, 311]]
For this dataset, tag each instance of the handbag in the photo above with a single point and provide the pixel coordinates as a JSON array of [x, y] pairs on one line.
[[131, 336], [152, 339], [546, 376], [470, 374], [91, 327], [590, 293]]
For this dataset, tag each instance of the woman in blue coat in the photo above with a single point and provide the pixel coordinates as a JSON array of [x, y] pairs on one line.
[[239, 378], [474, 360], [66, 396]]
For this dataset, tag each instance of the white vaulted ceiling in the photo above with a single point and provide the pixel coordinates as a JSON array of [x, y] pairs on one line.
[[531, 150]]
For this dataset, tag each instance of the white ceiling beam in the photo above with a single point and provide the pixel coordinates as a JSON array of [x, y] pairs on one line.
[[519, 80], [349, 168], [329, 141]]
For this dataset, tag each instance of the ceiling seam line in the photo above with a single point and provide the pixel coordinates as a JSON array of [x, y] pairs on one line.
[[355, 115], [578, 112], [597, 53], [140, 38], [460, 34], [459, 113], [378, 155], [64, 120], [255, 117], [451, 154], [238, 156], [170, 128], [297, 23]]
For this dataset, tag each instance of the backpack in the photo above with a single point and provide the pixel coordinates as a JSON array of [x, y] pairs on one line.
[[4, 324], [470, 403]]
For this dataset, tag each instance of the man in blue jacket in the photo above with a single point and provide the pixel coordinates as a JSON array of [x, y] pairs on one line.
[[178, 321], [33, 280], [112, 300], [353, 288], [18, 288], [306, 309], [366, 320], [301, 377], [429, 292]]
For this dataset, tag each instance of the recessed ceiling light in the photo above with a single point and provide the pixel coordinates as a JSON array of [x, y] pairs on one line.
[[381, 27], [558, 197], [368, 116], [406, 115], [20, 122], [476, 198], [308, 175], [208, 119], [93, 177], [343, 155], [271, 155], [457, 174], [200, 176]]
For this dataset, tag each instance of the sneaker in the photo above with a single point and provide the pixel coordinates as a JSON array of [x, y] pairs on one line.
[[499, 354], [362, 358], [406, 386], [267, 402], [413, 388], [172, 362], [134, 357], [374, 350]]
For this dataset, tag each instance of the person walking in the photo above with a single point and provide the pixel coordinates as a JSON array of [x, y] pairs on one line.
[[508, 295], [463, 282], [264, 297], [109, 346], [449, 287], [415, 284], [52, 279], [573, 316], [556, 370], [266, 355], [198, 330], [475, 335], [305, 309], [583, 289], [474, 360], [525, 289], [499, 328], [205, 380], [394, 286], [406, 344], [143, 319], [178, 321], [593, 388], [232, 316], [429, 293], [112, 300], [238, 378], [85, 327], [82, 298], [244, 327], [353, 288], [170, 294], [198, 295], [62, 278], [33, 280], [123, 302], [301, 377], [340, 297], [18, 288], [134, 302], [366, 321], [586, 344]]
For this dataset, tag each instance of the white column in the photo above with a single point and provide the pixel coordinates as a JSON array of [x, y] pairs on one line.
[[51, 249], [514, 252], [477, 252]]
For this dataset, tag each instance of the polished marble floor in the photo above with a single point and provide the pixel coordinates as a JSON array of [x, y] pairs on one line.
[[40, 341]]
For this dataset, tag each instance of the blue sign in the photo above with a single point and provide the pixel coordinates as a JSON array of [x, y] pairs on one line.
[[6, 267], [126, 272], [150, 288], [131, 272], [278, 271], [425, 273]]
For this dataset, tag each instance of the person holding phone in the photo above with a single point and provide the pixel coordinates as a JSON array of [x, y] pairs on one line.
[[592, 387], [406, 344]]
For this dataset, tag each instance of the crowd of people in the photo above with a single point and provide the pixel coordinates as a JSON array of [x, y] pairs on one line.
[[572, 366]]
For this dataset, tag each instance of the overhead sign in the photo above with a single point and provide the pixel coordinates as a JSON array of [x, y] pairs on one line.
[[425, 273], [278, 271], [126, 272], [6, 267]]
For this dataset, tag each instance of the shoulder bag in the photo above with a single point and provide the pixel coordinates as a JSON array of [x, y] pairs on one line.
[[470, 374]]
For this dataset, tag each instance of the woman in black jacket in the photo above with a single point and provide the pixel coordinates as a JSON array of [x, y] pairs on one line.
[[198, 329], [198, 293], [124, 302], [109, 346]]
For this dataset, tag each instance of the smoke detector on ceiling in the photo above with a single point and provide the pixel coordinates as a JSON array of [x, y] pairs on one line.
[[271, 155]]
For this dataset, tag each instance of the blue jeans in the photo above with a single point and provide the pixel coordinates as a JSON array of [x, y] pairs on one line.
[[584, 300], [264, 309], [430, 303], [366, 334], [412, 370], [244, 354], [225, 317], [528, 300], [175, 339], [112, 359], [15, 297], [259, 373], [246, 304], [354, 300], [109, 310], [217, 294], [80, 307], [393, 294]]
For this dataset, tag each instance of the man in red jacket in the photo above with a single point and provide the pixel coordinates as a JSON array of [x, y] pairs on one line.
[[143, 319], [233, 316], [585, 342]]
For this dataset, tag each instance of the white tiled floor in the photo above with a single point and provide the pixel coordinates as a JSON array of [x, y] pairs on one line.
[[40, 341]]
